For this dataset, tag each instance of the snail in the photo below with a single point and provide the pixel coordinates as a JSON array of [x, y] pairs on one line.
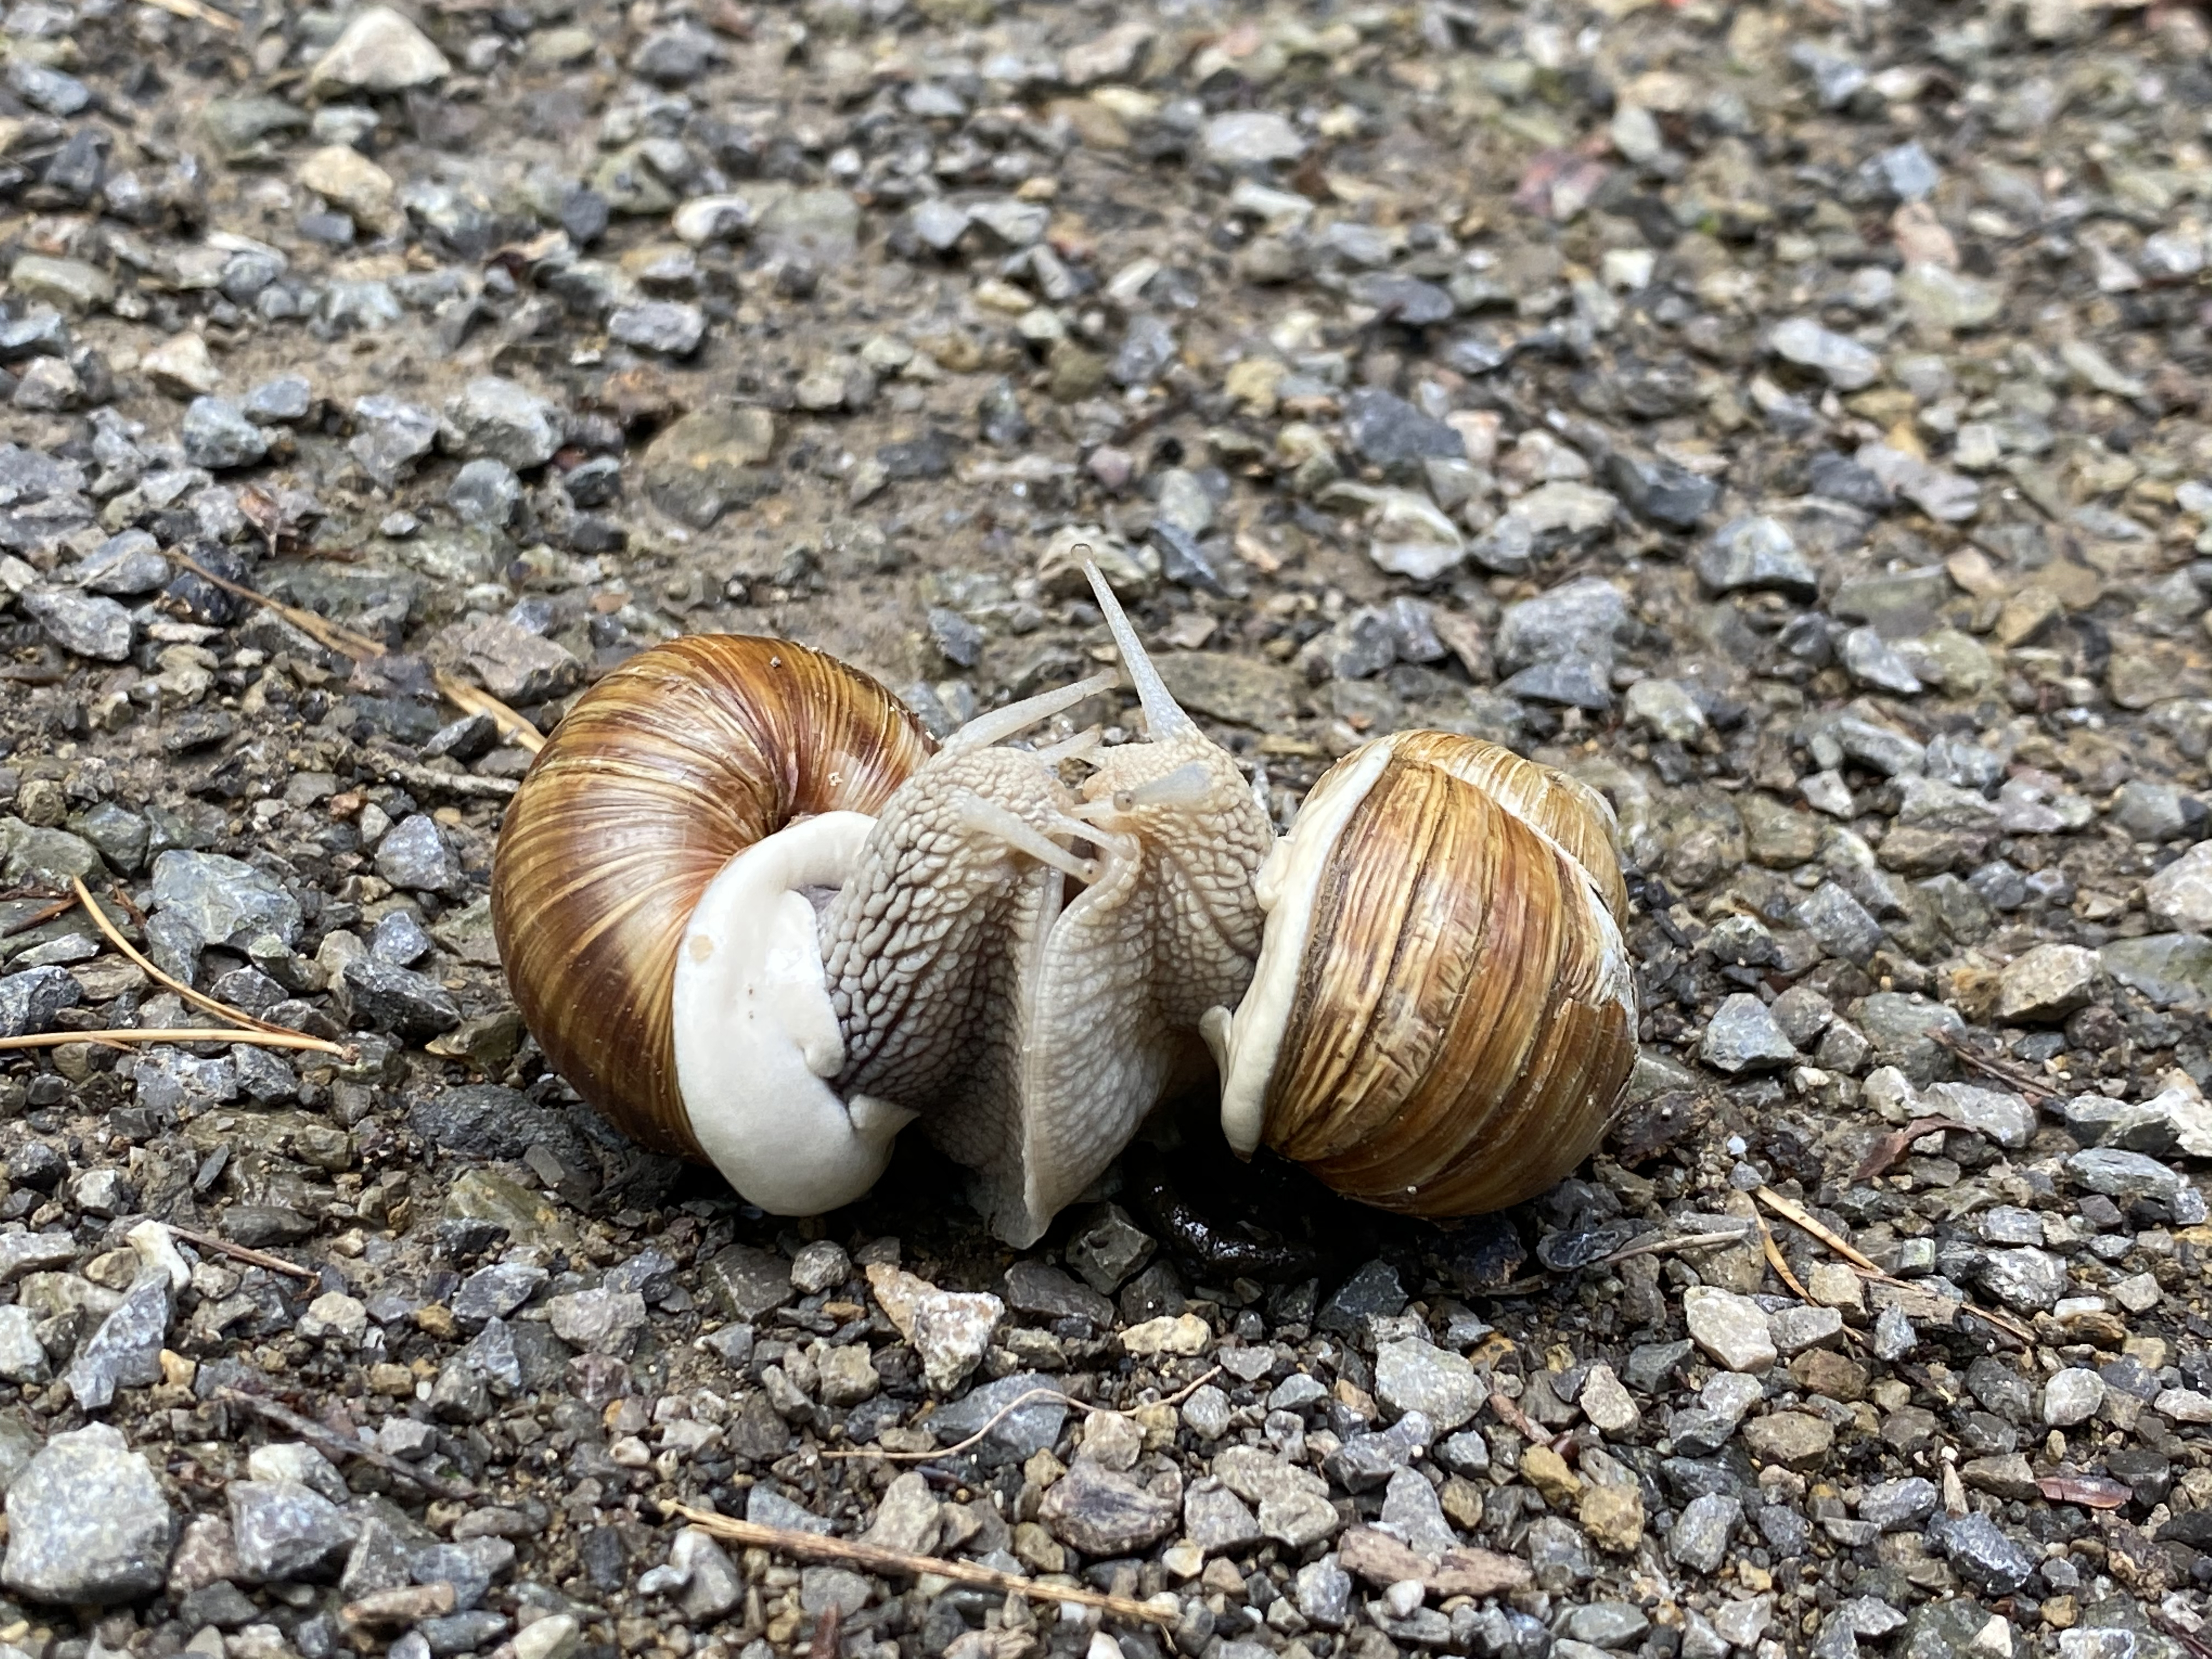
[[1443, 1016], [754, 916]]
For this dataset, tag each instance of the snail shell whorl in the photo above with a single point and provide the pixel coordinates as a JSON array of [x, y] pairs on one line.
[[675, 762], [1462, 1019]]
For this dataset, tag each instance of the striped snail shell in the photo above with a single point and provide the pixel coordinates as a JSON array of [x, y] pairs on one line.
[[1443, 1016], [683, 757]]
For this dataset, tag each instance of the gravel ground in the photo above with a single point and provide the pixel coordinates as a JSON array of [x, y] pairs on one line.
[[1786, 418]]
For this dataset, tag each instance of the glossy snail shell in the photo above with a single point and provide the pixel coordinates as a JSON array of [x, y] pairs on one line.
[[679, 759], [1442, 1018]]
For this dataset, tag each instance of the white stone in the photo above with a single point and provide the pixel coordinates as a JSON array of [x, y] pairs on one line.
[[379, 51], [180, 364], [345, 177], [949, 1329], [1731, 1328], [2184, 1406], [1179, 1333], [2048, 983], [553, 1636], [2072, 1397], [22, 1358], [1607, 1402], [2180, 896]]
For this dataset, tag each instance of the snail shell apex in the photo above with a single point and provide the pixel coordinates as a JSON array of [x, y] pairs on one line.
[[681, 758], [1442, 1018]]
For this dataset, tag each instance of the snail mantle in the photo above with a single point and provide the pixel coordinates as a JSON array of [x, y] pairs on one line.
[[756, 917]]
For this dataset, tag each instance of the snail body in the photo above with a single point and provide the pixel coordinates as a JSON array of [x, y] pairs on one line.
[[756, 917]]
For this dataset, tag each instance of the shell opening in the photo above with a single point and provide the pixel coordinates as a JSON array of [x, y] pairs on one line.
[[756, 1039], [1247, 1044]]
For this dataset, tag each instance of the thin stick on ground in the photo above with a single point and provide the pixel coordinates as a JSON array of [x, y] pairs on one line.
[[336, 1445], [197, 12], [876, 1558], [246, 1253], [469, 699], [1519, 1421], [180, 1034], [236, 1015], [1653, 1246], [1800, 1216], [474, 700], [38, 918], [2002, 1071], [1007, 1411], [1775, 1259]]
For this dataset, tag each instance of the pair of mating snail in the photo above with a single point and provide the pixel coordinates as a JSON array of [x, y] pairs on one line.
[[754, 916]]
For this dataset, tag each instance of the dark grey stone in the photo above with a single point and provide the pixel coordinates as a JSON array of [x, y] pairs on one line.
[[1388, 430], [125, 1351], [218, 436], [1028, 1429], [1980, 1553], [283, 1530], [30, 1001], [399, 1000]]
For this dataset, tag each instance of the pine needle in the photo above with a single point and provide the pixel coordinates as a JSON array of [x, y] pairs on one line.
[[213, 1006], [197, 12], [1007, 1411], [258, 1033], [359, 648], [179, 1034], [877, 1558]]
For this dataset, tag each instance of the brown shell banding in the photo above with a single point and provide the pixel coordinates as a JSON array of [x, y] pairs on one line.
[[669, 766], [1461, 1029]]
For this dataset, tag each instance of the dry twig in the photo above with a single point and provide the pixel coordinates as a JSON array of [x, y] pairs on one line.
[[469, 699], [1654, 1245], [275, 1264], [1798, 1215], [197, 12], [1843, 1247], [338, 1445], [260, 1032], [1774, 1260], [179, 1034], [38, 918], [236, 1015], [1510, 1415], [876, 1558], [1891, 1147], [1007, 1411], [2002, 1071], [2196, 1644]]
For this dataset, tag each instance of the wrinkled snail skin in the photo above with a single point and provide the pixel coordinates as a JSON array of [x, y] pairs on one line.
[[1442, 1017], [1032, 1031], [1170, 925]]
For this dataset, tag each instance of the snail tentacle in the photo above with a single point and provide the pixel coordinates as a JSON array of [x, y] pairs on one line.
[[989, 818], [997, 724]]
